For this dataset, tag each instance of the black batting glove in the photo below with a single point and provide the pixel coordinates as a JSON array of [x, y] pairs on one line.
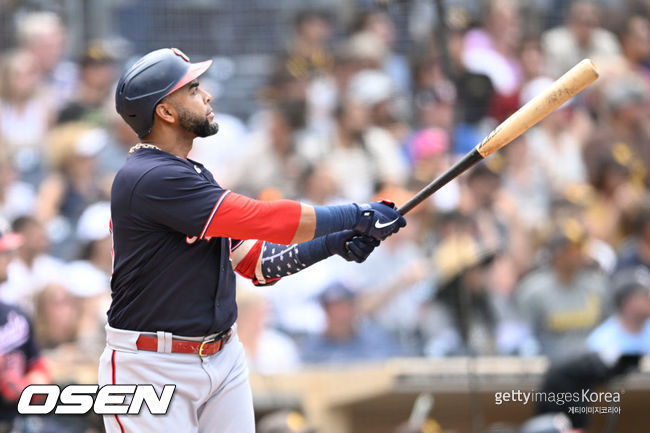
[[379, 219], [350, 245]]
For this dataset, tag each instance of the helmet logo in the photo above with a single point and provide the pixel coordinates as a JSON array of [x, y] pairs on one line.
[[180, 54]]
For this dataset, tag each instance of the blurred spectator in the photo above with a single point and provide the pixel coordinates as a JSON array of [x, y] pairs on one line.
[[283, 421], [25, 113], [32, 268], [395, 281], [20, 361], [43, 35], [564, 299], [88, 278], [308, 53], [267, 351], [274, 158], [548, 423], [17, 198], [428, 151], [74, 183], [633, 37], [580, 37], [627, 331], [57, 319], [380, 24], [524, 180], [462, 319], [362, 157], [557, 141], [636, 250], [375, 90], [493, 210], [347, 338], [491, 50], [434, 108], [471, 94], [624, 133], [615, 199], [119, 141], [97, 77], [319, 186]]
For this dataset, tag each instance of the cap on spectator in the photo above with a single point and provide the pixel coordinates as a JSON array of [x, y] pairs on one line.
[[98, 52], [365, 46], [74, 139], [429, 142], [569, 231], [10, 241], [336, 291], [93, 224], [283, 421], [370, 87], [628, 282], [458, 19], [457, 254], [547, 423], [624, 91], [91, 142]]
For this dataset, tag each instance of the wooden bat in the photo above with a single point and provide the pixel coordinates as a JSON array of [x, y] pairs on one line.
[[565, 87]]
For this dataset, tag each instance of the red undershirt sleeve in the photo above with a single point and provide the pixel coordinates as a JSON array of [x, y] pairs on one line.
[[240, 217]]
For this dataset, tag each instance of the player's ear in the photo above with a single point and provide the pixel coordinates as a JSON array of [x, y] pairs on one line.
[[166, 112]]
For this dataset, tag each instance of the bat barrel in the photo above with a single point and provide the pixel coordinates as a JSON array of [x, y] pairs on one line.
[[565, 87], [459, 167]]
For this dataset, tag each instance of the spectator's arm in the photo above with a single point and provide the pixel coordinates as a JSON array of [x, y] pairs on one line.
[[15, 377], [373, 301], [49, 197]]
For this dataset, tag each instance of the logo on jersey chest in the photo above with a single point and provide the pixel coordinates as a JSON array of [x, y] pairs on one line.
[[191, 240]]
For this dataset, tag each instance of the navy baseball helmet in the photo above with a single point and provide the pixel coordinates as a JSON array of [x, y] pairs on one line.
[[142, 86]]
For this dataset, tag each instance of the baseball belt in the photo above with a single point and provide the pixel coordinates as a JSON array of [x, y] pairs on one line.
[[206, 347]]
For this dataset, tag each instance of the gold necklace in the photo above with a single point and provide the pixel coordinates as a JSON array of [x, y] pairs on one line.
[[143, 146]]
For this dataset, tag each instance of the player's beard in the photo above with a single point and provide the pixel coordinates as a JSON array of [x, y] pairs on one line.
[[196, 124]]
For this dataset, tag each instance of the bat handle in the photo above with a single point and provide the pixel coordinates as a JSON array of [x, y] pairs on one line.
[[459, 167]]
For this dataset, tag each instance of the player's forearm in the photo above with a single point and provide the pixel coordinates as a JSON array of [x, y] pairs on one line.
[[266, 262], [280, 221]]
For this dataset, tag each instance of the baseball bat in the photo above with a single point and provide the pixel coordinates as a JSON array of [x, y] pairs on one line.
[[560, 91]]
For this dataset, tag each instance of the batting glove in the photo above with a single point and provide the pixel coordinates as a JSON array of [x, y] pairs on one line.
[[379, 219], [350, 245]]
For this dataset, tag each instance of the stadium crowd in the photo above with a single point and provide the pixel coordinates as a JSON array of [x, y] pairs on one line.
[[543, 249]]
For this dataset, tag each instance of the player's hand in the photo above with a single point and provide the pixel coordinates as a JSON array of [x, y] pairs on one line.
[[350, 245], [379, 219]]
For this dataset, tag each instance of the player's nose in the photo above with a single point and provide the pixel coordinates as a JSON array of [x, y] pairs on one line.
[[207, 97]]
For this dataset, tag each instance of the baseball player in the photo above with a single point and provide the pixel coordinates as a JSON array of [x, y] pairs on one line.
[[178, 237]]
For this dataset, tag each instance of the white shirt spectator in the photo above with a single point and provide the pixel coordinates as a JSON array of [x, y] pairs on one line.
[[25, 282]]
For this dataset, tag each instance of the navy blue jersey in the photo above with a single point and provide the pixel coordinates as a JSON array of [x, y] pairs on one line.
[[16, 335], [165, 276]]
